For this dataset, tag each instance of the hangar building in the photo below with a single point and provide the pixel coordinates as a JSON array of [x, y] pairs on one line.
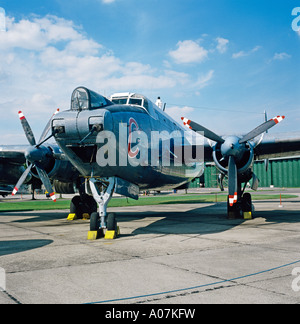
[[282, 173]]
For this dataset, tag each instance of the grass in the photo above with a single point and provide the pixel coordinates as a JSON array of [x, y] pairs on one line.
[[34, 205], [124, 202]]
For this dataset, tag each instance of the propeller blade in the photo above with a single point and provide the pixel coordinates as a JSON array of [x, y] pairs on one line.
[[46, 182], [232, 181], [21, 181], [27, 129], [47, 128], [198, 128], [262, 129]]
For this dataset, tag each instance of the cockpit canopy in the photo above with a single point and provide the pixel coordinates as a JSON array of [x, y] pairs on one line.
[[135, 100], [85, 99]]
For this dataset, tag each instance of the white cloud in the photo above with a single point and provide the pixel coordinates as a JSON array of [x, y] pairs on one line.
[[44, 58], [188, 51], [243, 53], [203, 80], [239, 54], [281, 56], [222, 45]]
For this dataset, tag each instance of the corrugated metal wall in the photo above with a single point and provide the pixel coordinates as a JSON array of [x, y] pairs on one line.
[[282, 173]]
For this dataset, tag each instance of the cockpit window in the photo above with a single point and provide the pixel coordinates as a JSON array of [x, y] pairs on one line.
[[84, 99], [97, 101], [120, 101], [137, 102], [146, 105]]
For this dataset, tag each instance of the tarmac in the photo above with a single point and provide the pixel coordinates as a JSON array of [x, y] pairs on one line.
[[166, 254]]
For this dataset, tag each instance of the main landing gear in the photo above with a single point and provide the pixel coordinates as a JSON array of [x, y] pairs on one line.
[[82, 207], [243, 208]]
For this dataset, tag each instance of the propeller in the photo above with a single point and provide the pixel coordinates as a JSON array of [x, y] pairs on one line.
[[37, 155], [198, 128], [232, 181], [233, 149], [262, 129]]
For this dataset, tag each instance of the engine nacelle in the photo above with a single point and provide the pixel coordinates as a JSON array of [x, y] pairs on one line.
[[64, 188], [57, 169], [243, 153]]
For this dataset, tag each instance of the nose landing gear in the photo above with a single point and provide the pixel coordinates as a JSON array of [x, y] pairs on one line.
[[103, 224]]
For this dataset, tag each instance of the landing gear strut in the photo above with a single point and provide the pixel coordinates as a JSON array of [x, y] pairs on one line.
[[243, 208], [101, 221]]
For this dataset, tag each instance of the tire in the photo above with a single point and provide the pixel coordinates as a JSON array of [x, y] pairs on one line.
[[94, 222], [75, 207], [89, 205], [233, 212], [111, 222], [247, 203]]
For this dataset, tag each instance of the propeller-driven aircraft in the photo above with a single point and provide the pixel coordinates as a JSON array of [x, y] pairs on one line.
[[127, 144]]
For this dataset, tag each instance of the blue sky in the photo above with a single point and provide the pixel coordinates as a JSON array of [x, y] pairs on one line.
[[219, 62]]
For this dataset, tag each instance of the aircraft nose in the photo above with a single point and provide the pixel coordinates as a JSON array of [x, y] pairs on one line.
[[108, 121]]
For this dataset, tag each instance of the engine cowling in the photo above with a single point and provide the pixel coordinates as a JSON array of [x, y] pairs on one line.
[[57, 169], [242, 153], [64, 188]]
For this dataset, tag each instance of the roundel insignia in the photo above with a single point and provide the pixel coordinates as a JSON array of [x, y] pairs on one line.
[[133, 126]]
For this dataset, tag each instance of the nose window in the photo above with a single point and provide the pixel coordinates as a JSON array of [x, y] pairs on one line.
[[84, 99], [80, 99]]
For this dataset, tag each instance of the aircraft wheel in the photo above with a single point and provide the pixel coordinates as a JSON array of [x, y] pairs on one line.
[[75, 207], [247, 203], [94, 222], [111, 222], [233, 212], [89, 205]]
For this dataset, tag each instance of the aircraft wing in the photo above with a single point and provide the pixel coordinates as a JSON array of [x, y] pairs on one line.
[[278, 145], [5, 190], [12, 154], [12, 163]]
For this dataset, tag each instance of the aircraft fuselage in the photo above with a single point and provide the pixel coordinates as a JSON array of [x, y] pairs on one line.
[[125, 145]]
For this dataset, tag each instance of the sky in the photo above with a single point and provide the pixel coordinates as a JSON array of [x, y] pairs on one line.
[[221, 63]]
